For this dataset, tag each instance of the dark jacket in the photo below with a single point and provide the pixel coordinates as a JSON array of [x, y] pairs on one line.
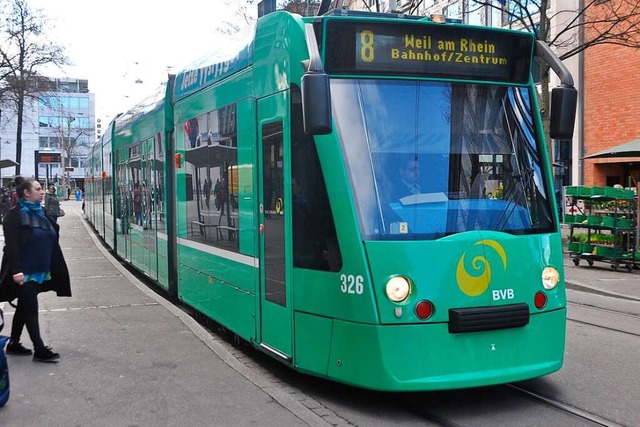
[[51, 205], [15, 236]]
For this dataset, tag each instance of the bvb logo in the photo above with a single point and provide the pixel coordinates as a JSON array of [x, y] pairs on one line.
[[478, 281]]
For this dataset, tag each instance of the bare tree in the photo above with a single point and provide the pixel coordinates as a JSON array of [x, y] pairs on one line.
[[23, 52], [569, 32], [245, 15], [245, 11]]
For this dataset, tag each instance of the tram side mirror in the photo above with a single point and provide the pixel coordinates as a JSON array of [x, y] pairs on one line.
[[316, 103], [564, 101]]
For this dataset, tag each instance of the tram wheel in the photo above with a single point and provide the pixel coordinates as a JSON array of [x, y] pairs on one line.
[[576, 261]]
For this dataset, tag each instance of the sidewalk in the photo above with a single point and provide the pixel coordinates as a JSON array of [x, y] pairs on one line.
[[128, 357]]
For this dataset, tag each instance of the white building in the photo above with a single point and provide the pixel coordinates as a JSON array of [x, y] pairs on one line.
[[64, 112]]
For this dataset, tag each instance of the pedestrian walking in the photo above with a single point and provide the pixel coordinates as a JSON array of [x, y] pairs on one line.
[[32, 263], [52, 204]]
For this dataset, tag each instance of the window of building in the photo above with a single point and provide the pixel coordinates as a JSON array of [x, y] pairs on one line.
[[67, 86], [83, 122]]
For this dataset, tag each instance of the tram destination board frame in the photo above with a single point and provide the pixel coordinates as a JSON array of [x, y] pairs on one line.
[[427, 50], [48, 157]]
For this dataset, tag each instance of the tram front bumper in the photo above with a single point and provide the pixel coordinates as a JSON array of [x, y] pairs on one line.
[[422, 357]]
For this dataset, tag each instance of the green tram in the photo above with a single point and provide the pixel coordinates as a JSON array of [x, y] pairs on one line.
[[365, 197]]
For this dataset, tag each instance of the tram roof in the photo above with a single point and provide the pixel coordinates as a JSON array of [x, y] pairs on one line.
[[147, 105], [225, 61]]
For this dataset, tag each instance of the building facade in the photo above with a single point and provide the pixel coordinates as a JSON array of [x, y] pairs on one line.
[[62, 120], [611, 109]]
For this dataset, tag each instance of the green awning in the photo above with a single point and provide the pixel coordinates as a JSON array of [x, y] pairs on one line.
[[629, 149]]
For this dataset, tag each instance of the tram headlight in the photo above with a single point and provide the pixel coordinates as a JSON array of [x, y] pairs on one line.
[[398, 289], [550, 278]]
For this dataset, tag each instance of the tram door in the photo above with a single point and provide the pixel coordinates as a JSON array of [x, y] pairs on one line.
[[275, 293], [147, 173]]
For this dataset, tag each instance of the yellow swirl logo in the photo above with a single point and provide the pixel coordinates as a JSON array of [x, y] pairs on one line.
[[476, 282]]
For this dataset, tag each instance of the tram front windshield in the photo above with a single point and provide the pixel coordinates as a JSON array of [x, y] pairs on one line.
[[430, 159]]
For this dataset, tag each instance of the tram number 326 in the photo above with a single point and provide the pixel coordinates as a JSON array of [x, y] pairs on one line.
[[350, 284]]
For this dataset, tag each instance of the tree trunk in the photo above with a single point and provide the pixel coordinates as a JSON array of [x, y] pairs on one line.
[[20, 105], [543, 34]]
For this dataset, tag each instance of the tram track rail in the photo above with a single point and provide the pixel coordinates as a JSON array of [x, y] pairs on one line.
[[565, 407], [624, 314], [605, 310], [603, 327]]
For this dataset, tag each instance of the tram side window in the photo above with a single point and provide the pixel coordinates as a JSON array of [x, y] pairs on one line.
[[315, 242], [211, 160]]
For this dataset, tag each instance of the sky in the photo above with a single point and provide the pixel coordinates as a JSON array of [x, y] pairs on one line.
[[116, 43]]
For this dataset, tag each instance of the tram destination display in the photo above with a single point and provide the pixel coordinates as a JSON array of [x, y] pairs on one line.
[[428, 50], [49, 157]]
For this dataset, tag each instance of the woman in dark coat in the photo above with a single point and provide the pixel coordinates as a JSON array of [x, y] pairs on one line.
[[32, 263]]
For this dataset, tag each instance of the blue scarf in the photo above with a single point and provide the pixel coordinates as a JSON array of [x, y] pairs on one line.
[[36, 254], [29, 206], [32, 214]]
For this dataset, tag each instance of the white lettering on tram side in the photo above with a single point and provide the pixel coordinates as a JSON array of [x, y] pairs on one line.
[[216, 70], [350, 284], [190, 78], [499, 294]]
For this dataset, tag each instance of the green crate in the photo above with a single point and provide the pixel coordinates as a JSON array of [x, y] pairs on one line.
[[571, 191], [586, 248], [573, 247], [608, 221], [569, 219], [579, 218], [599, 191], [611, 192], [624, 223], [585, 191], [594, 220], [624, 194], [608, 251]]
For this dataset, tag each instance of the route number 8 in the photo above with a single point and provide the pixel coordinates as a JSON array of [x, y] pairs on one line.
[[366, 50]]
